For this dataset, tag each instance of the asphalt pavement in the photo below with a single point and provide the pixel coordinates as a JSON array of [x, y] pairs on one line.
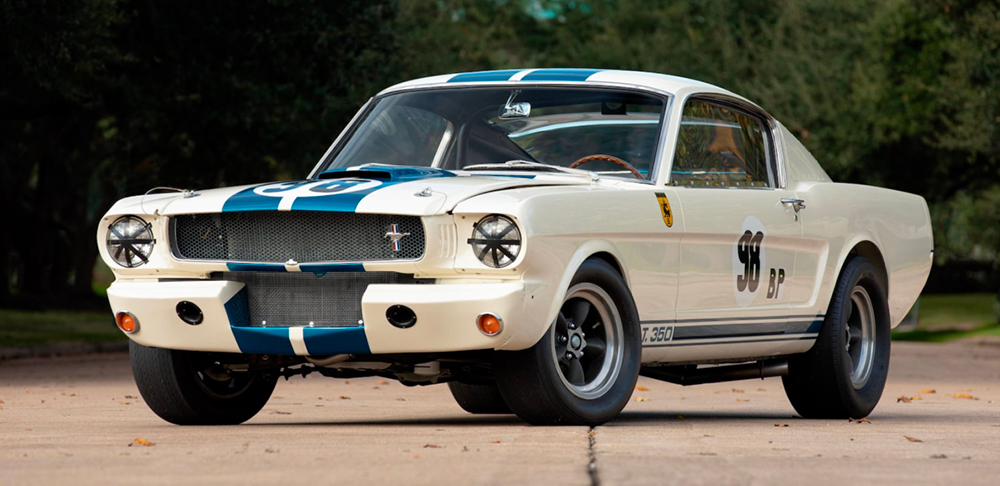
[[80, 420]]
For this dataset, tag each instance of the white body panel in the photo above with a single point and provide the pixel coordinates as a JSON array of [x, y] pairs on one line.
[[683, 277]]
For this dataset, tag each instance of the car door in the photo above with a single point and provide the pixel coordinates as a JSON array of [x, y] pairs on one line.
[[741, 233]]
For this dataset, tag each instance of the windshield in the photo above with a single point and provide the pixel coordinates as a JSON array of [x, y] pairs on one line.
[[456, 128]]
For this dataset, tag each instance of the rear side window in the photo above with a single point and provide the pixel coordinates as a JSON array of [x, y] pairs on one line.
[[718, 146]]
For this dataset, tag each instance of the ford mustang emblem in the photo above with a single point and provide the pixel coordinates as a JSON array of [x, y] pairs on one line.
[[394, 236]]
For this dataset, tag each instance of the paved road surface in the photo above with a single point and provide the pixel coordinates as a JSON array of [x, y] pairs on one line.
[[71, 420]]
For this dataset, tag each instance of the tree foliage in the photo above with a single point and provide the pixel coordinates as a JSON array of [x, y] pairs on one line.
[[105, 98]]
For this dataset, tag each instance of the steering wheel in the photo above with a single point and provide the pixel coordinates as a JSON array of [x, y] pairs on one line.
[[607, 158]]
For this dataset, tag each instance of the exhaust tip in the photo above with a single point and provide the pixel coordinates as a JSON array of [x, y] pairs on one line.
[[190, 313], [401, 316]]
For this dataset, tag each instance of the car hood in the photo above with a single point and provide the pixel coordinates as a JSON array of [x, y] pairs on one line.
[[378, 190]]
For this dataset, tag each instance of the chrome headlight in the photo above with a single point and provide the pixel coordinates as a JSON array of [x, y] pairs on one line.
[[496, 241], [130, 241]]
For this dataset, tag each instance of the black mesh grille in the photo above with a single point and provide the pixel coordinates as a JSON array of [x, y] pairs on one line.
[[277, 299], [303, 236]]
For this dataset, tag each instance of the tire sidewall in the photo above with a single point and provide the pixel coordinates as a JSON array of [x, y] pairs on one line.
[[860, 402], [605, 407]]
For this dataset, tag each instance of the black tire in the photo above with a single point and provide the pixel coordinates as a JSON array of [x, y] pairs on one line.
[[542, 385], [478, 398], [830, 380], [184, 388]]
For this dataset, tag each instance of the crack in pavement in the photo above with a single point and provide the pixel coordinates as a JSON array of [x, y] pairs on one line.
[[592, 465]]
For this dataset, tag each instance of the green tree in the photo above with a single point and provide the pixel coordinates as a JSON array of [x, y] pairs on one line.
[[107, 98]]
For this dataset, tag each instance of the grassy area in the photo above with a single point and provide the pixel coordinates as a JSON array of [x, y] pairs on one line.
[[22, 328], [953, 316]]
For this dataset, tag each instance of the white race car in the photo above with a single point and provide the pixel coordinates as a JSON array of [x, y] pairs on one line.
[[537, 239]]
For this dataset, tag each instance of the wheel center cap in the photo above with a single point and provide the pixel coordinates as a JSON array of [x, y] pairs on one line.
[[575, 341]]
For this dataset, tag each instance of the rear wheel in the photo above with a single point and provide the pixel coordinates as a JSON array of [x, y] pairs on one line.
[[478, 398], [193, 388], [844, 373], [584, 368]]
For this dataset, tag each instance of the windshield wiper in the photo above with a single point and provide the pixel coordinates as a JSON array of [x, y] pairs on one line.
[[527, 165]]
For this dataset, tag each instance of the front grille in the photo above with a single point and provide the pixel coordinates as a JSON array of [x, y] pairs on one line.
[[306, 299], [303, 236]]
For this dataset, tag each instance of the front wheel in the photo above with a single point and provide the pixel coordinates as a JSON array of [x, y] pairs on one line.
[[193, 388], [844, 373], [584, 368]]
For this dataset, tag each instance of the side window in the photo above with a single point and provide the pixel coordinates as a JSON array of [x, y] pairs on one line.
[[720, 147]]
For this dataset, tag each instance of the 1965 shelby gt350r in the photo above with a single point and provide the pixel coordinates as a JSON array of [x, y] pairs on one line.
[[536, 239]]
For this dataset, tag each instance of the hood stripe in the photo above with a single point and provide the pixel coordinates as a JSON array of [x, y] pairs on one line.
[[326, 194]]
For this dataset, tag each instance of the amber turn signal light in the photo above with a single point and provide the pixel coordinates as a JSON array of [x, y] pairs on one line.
[[489, 324], [126, 322]]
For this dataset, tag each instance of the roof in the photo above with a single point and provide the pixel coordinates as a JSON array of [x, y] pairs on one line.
[[674, 85]]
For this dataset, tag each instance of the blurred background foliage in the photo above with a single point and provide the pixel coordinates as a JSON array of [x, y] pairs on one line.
[[101, 99]]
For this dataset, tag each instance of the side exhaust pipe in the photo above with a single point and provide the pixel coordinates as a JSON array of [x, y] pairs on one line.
[[683, 375]]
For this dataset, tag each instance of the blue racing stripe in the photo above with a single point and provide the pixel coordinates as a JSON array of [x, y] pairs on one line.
[[332, 267], [335, 340], [238, 309], [255, 267], [246, 200], [337, 190], [481, 76], [263, 340], [560, 75]]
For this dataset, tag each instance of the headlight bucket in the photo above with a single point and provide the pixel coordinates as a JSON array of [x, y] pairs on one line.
[[496, 241], [130, 241]]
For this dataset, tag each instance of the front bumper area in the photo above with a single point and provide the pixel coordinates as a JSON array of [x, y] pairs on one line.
[[446, 319]]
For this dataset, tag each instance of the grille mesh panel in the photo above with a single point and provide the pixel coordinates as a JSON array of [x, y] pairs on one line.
[[304, 236], [278, 299]]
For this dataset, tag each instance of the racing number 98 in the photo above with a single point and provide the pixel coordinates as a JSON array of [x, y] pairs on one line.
[[748, 251]]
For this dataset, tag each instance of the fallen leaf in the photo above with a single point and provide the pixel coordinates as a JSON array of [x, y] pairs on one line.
[[681, 416], [737, 390], [912, 439], [781, 425], [742, 399], [965, 396], [342, 397], [929, 390], [641, 399], [641, 388], [939, 456], [383, 382], [431, 446], [400, 399], [495, 442], [1, 401], [142, 442], [124, 403], [130, 397], [903, 399], [761, 389], [279, 412], [860, 421], [916, 397]]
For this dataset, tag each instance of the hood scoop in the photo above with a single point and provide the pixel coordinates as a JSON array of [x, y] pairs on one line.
[[385, 173]]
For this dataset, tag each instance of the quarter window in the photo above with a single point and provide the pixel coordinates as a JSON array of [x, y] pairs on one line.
[[721, 147]]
